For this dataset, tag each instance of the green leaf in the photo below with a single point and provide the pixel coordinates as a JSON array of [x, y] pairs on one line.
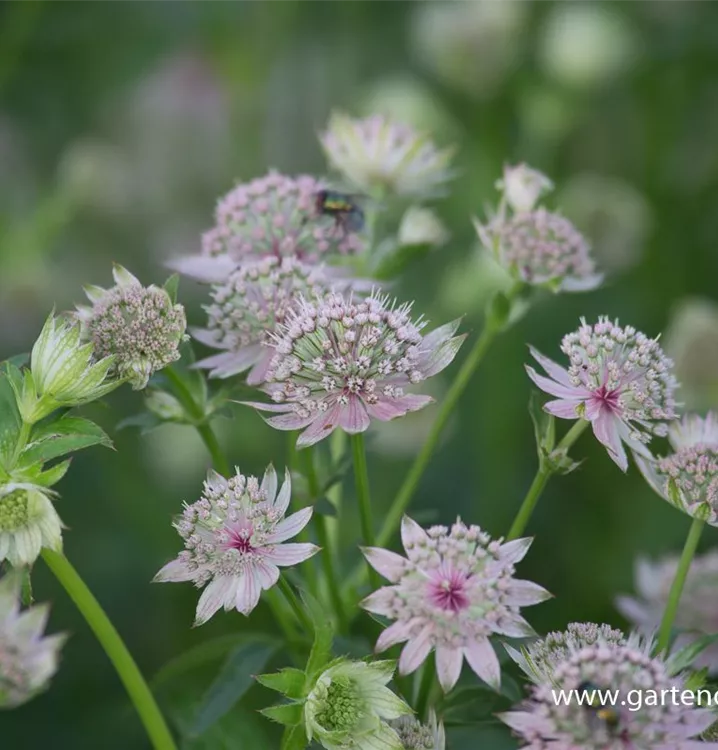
[[233, 681], [19, 360], [697, 680], [53, 475], [289, 682], [9, 421], [289, 714], [684, 657], [544, 426], [61, 436], [145, 420], [321, 652], [324, 507], [397, 261], [171, 286], [295, 738]]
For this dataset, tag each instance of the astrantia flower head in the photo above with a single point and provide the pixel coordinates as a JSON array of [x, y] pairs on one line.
[[539, 659], [455, 591], [349, 706], [417, 736], [341, 362], [247, 309], [618, 379], [27, 660], [272, 216], [698, 613], [64, 372], [535, 245], [28, 522], [233, 541], [545, 723], [139, 326], [688, 478], [376, 154]]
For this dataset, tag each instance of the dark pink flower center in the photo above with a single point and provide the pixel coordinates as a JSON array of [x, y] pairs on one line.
[[239, 537], [607, 398], [448, 589]]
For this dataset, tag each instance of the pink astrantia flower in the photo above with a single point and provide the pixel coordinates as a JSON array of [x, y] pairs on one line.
[[234, 541], [341, 362], [272, 216], [618, 379], [688, 478], [247, 307], [453, 591], [698, 613], [545, 723]]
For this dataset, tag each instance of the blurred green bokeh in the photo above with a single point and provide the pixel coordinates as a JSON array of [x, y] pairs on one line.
[[120, 125]]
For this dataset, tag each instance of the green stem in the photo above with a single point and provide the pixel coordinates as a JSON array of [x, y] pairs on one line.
[[293, 600], [115, 649], [204, 429], [322, 528], [674, 596], [543, 474], [426, 685], [361, 478]]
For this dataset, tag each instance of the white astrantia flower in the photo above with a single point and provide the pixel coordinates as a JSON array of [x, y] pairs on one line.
[[378, 154], [452, 593], [421, 226], [522, 186], [697, 615], [417, 736], [28, 522], [539, 659], [27, 659], [349, 707], [140, 327], [234, 541], [64, 372]]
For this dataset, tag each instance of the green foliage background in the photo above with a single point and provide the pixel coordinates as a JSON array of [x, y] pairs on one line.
[[120, 124]]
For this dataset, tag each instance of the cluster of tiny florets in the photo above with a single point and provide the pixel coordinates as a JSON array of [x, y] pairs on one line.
[[14, 511], [140, 326], [342, 706], [222, 530], [629, 369], [413, 734], [541, 246], [690, 476], [606, 667], [337, 347], [276, 215]]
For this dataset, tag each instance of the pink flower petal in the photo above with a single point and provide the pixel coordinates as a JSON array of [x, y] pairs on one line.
[[515, 551], [513, 626], [269, 483], [213, 597], [353, 418], [483, 660], [635, 612], [525, 593], [563, 408], [290, 526], [448, 666], [267, 573], [380, 602], [527, 722], [174, 572], [206, 337], [440, 335], [398, 632], [411, 533], [291, 421], [442, 357], [320, 427], [282, 501], [556, 389], [258, 374], [606, 430], [210, 269], [558, 373], [415, 652], [386, 563], [289, 553], [248, 592]]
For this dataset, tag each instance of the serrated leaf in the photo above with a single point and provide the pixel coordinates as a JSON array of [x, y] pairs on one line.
[[233, 681], [684, 657], [289, 714], [53, 475], [62, 436], [288, 681], [171, 286], [321, 652], [10, 421], [295, 738]]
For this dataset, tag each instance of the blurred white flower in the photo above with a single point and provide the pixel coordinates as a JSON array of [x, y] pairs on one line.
[[421, 226], [691, 340], [585, 44], [522, 186], [613, 214], [471, 46]]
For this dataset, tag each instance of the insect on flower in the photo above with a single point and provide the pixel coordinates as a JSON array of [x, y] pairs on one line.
[[348, 215]]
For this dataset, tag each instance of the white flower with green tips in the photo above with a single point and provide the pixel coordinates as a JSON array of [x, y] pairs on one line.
[[350, 705], [62, 372], [27, 660], [28, 522]]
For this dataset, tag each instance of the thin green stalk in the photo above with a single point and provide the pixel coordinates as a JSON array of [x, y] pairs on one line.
[[115, 649], [544, 473], [361, 478], [674, 595], [204, 429], [426, 686], [293, 600], [328, 557]]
